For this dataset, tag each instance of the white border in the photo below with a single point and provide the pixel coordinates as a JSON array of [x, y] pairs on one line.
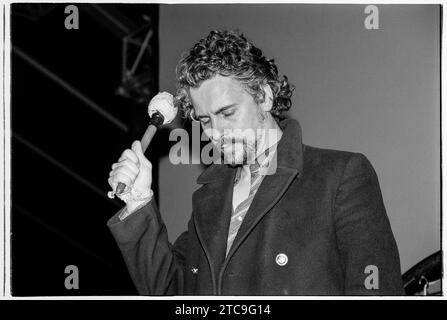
[[443, 148], [235, 2], [6, 161], [6, 148], [2, 169]]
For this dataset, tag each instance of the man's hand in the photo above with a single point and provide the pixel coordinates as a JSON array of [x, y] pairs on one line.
[[132, 169]]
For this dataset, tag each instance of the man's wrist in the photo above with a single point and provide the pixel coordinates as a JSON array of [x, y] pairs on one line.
[[134, 205], [131, 194]]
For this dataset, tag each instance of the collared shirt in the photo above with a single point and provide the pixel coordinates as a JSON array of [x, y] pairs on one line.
[[247, 184], [242, 182]]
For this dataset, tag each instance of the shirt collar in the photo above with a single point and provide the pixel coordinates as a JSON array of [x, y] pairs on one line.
[[264, 157]]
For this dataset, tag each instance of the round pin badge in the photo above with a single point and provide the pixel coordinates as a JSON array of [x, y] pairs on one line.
[[281, 259]]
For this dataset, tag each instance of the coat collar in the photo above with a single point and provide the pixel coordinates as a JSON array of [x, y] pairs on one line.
[[212, 204]]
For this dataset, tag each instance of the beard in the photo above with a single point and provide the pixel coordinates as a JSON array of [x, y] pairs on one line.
[[237, 151], [241, 149]]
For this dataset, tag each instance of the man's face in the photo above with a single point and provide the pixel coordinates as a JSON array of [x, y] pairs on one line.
[[230, 116]]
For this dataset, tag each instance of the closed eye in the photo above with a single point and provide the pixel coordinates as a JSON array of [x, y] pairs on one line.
[[204, 120], [228, 114]]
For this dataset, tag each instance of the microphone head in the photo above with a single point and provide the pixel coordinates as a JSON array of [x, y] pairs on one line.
[[163, 103]]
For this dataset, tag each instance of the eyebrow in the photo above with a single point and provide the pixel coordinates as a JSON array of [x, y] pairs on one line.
[[220, 110]]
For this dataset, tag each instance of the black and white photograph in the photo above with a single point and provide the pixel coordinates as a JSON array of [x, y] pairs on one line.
[[214, 149]]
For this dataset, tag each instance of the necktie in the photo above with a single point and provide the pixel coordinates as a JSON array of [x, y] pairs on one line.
[[241, 210]]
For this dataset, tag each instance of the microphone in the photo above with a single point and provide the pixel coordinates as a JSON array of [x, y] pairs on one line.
[[161, 111]]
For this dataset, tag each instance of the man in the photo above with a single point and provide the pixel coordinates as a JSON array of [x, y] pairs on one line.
[[313, 224]]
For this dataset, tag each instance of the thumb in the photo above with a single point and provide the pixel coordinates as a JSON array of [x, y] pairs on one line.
[[136, 147]]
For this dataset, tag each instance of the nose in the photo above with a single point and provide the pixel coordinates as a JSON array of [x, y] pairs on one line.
[[214, 132], [215, 135]]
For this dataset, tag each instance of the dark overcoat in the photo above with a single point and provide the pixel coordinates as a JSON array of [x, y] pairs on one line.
[[317, 226]]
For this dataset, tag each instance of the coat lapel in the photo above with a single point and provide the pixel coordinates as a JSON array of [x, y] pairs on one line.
[[212, 207], [212, 203], [289, 165], [270, 191]]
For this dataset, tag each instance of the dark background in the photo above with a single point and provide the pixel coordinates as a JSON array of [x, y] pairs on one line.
[[62, 149]]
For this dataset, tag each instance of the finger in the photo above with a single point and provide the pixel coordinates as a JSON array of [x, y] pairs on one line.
[[126, 163], [123, 178], [112, 183], [122, 160], [129, 154], [136, 148], [127, 171], [124, 170]]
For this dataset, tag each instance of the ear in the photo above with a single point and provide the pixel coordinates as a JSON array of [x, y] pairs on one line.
[[267, 104]]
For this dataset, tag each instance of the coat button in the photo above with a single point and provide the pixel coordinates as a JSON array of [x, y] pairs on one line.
[[194, 270], [281, 259]]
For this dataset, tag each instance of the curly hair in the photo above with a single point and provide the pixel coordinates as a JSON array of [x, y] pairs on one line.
[[228, 53]]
